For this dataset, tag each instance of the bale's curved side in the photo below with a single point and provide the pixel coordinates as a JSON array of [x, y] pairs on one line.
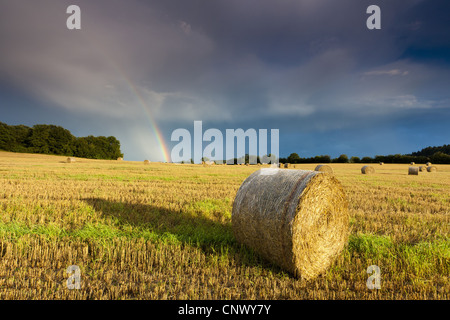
[[367, 170], [296, 219], [422, 168], [431, 169], [413, 171], [324, 168]]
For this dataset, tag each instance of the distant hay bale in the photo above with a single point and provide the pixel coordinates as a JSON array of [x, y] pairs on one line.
[[431, 169], [119, 159], [381, 163], [413, 163], [428, 164], [367, 170], [146, 161], [413, 171], [422, 168], [286, 165], [71, 160], [324, 168], [297, 219], [281, 165]]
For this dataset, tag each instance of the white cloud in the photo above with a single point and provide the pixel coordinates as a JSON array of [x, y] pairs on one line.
[[393, 72], [186, 27]]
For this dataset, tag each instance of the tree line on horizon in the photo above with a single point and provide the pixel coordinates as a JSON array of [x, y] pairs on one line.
[[436, 155], [55, 140]]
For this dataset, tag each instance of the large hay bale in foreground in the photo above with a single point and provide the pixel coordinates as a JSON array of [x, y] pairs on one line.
[[367, 170], [324, 168], [413, 171], [422, 168], [431, 169], [297, 219], [71, 160]]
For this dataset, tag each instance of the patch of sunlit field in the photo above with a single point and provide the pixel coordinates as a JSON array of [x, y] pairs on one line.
[[163, 231]]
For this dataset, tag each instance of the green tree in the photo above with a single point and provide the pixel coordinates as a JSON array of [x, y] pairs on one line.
[[355, 160], [341, 159], [293, 158]]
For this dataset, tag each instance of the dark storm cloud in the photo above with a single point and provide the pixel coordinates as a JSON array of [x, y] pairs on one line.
[[304, 67]]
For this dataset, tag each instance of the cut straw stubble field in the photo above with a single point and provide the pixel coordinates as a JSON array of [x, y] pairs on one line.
[[162, 231]]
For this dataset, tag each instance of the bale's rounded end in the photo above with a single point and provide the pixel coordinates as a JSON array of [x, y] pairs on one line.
[[320, 227], [367, 170], [431, 169], [297, 219], [324, 168]]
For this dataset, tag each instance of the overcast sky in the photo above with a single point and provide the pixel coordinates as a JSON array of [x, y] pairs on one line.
[[309, 68]]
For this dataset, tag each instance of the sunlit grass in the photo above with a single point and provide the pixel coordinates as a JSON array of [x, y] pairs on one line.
[[163, 231]]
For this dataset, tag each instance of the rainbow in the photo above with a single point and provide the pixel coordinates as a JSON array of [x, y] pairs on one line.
[[154, 126], [156, 130]]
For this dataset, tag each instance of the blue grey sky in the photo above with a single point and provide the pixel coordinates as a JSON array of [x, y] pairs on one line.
[[309, 68]]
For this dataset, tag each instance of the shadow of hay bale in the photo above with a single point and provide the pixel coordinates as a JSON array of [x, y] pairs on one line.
[[208, 235]]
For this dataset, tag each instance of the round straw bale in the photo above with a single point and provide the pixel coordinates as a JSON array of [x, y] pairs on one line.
[[413, 171], [146, 161], [422, 168], [431, 169], [381, 163], [297, 219], [413, 163], [71, 160], [286, 165], [324, 168], [367, 170], [281, 166], [119, 159], [428, 164]]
